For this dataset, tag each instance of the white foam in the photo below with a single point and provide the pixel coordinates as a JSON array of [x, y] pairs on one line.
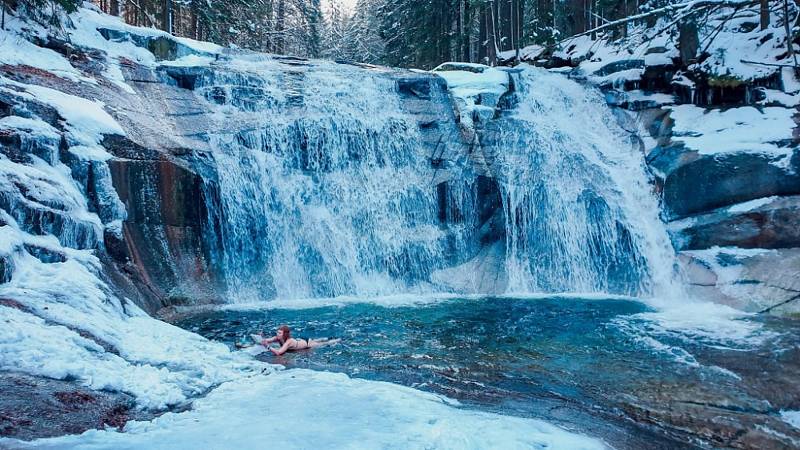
[[398, 301], [703, 322], [387, 301]]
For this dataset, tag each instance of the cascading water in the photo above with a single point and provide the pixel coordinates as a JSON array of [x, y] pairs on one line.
[[325, 188], [328, 193], [579, 211]]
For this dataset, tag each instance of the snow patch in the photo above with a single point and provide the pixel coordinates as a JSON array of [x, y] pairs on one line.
[[791, 417], [743, 129], [86, 119], [16, 50], [31, 126], [475, 88], [751, 205]]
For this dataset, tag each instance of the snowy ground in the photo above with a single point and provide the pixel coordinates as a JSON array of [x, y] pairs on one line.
[[306, 409]]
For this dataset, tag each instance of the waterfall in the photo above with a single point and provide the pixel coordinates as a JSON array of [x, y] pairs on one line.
[[326, 188], [580, 213], [328, 192]]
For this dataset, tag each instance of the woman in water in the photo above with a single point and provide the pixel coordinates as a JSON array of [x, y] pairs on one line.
[[289, 344]]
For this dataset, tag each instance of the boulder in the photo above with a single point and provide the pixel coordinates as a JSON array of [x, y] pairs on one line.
[[763, 223], [694, 183], [754, 280]]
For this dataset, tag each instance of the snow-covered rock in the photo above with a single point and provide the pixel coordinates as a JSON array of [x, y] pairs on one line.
[[752, 280], [476, 89]]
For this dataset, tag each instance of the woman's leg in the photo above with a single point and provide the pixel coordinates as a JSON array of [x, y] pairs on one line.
[[314, 343]]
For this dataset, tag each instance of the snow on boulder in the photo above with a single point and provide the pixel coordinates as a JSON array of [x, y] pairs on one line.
[[771, 222], [746, 128], [476, 90], [710, 158]]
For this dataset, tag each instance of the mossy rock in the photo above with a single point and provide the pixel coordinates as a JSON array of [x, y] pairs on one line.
[[179, 299], [724, 81], [163, 48]]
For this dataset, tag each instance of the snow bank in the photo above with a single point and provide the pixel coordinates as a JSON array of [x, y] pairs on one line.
[[59, 318], [128, 42], [89, 19], [467, 80], [739, 50], [744, 129], [306, 409], [17, 49], [70, 325], [86, 119]]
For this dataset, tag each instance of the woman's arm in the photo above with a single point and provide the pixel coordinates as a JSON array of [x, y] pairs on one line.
[[268, 341], [283, 348]]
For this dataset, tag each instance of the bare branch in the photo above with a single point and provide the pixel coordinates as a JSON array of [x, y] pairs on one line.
[[682, 9]]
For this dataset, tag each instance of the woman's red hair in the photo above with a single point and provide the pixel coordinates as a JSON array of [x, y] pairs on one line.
[[287, 332]]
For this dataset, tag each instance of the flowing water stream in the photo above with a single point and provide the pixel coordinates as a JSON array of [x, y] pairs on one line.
[[580, 215], [328, 193]]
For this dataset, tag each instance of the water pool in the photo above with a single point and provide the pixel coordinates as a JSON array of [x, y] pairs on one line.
[[604, 367]]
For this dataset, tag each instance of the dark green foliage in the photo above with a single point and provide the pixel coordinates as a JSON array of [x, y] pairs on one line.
[[69, 5], [406, 33]]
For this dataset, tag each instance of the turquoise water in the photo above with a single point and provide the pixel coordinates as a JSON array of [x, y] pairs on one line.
[[593, 365]]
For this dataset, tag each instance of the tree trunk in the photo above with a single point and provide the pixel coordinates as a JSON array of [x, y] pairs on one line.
[[3, 20], [789, 36], [280, 28], [483, 36], [688, 41], [314, 13], [465, 23], [193, 19], [764, 14], [491, 35], [167, 20]]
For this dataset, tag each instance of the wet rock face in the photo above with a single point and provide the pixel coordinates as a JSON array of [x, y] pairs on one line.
[[164, 229], [770, 226], [164, 170], [754, 280]]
